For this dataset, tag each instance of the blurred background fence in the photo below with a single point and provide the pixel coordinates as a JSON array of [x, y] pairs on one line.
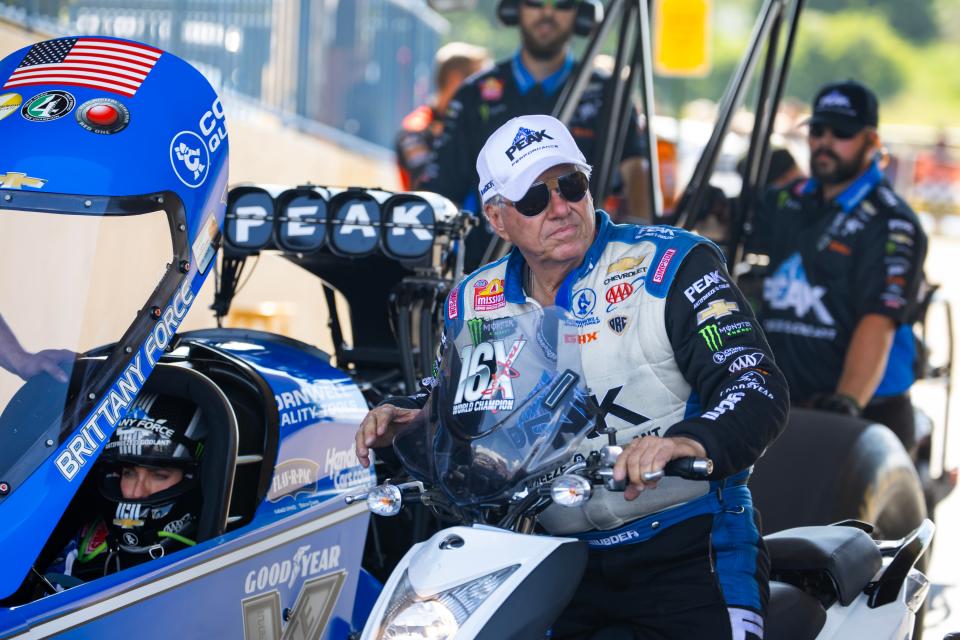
[[357, 66]]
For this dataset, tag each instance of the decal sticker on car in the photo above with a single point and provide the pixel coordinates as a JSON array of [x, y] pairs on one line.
[[96, 63], [15, 180], [47, 106], [9, 103]]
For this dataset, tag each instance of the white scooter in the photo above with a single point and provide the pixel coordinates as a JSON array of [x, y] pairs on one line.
[[482, 581]]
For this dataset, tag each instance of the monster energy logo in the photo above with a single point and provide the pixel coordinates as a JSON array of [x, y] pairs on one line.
[[711, 336], [475, 326]]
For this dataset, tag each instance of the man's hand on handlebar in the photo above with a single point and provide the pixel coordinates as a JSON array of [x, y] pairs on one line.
[[649, 454], [378, 428]]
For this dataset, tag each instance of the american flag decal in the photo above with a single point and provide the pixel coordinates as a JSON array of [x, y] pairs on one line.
[[96, 63]]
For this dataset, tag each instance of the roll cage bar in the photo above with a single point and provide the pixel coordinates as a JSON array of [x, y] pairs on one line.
[[774, 34]]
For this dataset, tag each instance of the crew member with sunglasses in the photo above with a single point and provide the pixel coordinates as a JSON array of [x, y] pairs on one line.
[[677, 366], [529, 82], [846, 260]]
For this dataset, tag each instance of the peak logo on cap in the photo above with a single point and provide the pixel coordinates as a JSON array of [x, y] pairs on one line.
[[524, 138], [834, 99], [520, 150]]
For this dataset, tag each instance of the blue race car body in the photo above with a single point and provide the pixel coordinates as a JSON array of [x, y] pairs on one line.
[[113, 201], [294, 566]]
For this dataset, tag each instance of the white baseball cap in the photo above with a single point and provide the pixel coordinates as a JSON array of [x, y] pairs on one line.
[[519, 151]]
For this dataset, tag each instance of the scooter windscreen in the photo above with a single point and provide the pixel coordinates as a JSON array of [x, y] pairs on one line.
[[509, 405]]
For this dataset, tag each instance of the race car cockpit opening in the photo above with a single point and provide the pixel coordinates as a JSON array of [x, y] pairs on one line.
[[86, 278], [82, 284]]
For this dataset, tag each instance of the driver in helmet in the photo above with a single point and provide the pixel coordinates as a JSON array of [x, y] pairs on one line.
[[148, 478]]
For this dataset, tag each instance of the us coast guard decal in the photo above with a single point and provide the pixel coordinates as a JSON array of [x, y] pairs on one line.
[[486, 378]]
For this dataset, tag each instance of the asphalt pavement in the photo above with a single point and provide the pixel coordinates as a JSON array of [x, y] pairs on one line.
[[943, 615]]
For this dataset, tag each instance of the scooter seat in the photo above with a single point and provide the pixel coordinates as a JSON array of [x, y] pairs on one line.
[[792, 614], [847, 557]]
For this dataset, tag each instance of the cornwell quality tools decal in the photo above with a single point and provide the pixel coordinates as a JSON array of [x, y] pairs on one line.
[[95, 63], [189, 158], [584, 302], [190, 152], [486, 378]]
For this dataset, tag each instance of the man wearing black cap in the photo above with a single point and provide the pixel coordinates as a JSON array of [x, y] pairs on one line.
[[846, 259]]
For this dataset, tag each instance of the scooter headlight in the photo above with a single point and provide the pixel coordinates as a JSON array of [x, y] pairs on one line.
[[429, 620], [437, 617]]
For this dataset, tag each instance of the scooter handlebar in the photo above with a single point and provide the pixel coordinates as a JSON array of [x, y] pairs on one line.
[[690, 468]]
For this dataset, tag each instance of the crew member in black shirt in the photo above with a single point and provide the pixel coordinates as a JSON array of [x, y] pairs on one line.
[[527, 83], [846, 259]]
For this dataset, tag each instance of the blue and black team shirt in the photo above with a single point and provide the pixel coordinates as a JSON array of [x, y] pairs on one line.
[[489, 99], [831, 263]]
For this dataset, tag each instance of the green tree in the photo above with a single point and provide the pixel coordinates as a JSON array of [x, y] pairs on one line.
[[915, 20], [851, 44]]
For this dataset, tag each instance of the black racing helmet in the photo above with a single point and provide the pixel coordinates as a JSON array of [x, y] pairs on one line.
[[159, 431]]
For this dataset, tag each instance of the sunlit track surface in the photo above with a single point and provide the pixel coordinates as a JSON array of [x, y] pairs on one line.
[[943, 615]]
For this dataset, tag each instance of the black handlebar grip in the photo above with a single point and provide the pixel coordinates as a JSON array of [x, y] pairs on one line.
[[689, 468]]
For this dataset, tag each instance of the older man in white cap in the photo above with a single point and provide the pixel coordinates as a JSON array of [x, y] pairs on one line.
[[677, 366]]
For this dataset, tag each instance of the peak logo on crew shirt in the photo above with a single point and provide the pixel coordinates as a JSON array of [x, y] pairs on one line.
[[788, 288], [524, 138], [702, 284], [488, 296]]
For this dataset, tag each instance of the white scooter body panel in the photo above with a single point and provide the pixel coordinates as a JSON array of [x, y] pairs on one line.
[[892, 621], [432, 569]]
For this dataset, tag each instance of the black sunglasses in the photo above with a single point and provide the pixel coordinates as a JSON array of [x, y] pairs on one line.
[[572, 186], [819, 130], [559, 5]]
